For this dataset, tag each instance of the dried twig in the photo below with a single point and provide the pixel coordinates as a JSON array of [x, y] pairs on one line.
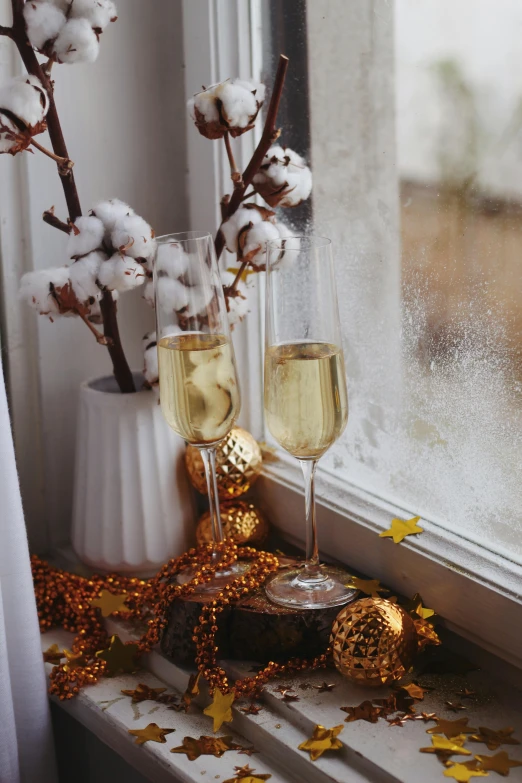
[[234, 171], [232, 289], [50, 218], [64, 164], [269, 136], [8, 31]]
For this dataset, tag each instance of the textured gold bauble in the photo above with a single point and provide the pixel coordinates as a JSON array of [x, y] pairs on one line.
[[238, 463], [241, 521], [373, 641]]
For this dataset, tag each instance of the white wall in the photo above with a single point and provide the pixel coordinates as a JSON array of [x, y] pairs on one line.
[[124, 122]]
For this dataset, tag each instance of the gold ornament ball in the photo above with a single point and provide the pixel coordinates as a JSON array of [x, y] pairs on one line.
[[238, 465], [241, 521], [373, 641]]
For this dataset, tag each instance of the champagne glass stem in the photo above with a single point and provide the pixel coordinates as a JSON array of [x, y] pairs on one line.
[[312, 569], [208, 455]]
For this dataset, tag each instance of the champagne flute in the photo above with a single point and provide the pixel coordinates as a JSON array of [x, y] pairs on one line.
[[306, 402], [199, 391]]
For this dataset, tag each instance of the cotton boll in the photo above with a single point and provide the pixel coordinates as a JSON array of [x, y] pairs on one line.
[[199, 297], [283, 179], [255, 239], [231, 106], [76, 43], [121, 273], [26, 98], [134, 236], [9, 135], [111, 211], [44, 21], [149, 294], [172, 294], [150, 355], [171, 260], [83, 275], [87, 237], [63, 5], [36, 289], [232, 227], [99, 13], [237, 309]]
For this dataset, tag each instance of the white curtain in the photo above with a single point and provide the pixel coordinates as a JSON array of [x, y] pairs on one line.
[[26, 744]]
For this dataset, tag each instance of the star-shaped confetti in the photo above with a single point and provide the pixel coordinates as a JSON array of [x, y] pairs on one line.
[[415, 606], [283, 689], [464, 772], [400, 720], [119, 657], [494, 739], [455, 706], [252, 709], [246, 775], [415, 690], [221, 708], [364, 711], [444, 748], [400, 528], [191, 691], [74, 660], [206, 746], [144, 693], [248, 751], [290, 697], [324, 687], [322, 740], [53, 654], [110, 603], [451, 728], [426, 716], [368, 586], [151, 733], [500, 763]]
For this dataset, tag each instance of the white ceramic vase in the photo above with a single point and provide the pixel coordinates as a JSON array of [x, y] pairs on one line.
[[133, 506]]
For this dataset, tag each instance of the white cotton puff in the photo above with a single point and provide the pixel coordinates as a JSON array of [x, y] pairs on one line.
[[121, 273], [172, 294], [99, 13], [35, 288], [77, 43], [25, 97], [238, 305], [89, 237], [149, 294], [232, 104], [111, 211], [255, 242], [199, 297], [6, 143], [150, 355], [283, 179], [63, 5], [134, 236], [171, 260], [43, 21], [84, 273], [233, 225]]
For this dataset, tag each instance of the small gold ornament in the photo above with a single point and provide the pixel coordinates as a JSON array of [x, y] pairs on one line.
[[373, 641], [238, 465], [400, 528], [110, 603], [53, 654], [119, 657], [151, 733], [444, 748], [206, 746], [221, 708], [241, 521], [322, 740]]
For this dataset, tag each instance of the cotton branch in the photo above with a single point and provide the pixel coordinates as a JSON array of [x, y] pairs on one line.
[[8, 31], [269, 136], [234, 171], [64, 164], [50, 218]]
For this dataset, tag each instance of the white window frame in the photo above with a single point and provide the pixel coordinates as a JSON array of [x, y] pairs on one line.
[[477, 592]]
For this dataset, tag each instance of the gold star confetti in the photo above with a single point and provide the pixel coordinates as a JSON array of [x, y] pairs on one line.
[[251, 709], [248, 751], [365, 711], [426, 633], [324, 687], [415, 606], [464, 772], [445, 748], [321, 741], [500, 763], [455, 706], [74, 660], [368, 586], [119, 657], [110, 603], [246, 775], [283, 689], [191, 692], [415, 690], [221, 708], [144, 693], [151, 733], [400, 720], [451, 728], [53, 654], [290, 697], [206, 746], [494, 739], [426, 716], [400, 528]]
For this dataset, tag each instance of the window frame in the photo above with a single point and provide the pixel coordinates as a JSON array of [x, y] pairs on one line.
[[476, 591]]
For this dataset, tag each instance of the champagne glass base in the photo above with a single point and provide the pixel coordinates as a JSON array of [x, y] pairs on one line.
[[294, 589], [219, 580]]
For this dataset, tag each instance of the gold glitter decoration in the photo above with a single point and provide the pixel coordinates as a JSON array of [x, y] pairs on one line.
[[151, 733], [400, 528], [238, 465], [373, 641], [221, 708], [241, 521], [500, 763], [462, 773], [322, 740], [206, 746]]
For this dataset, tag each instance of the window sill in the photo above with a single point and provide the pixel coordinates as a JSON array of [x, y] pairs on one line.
[[477, 592], [371, 754]]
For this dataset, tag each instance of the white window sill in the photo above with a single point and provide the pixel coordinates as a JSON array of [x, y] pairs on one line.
[[373, 753]]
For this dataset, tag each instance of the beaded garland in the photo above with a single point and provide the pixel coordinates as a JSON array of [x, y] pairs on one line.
[[64, 599]]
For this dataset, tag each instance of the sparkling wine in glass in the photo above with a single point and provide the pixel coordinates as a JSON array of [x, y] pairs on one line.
[[199, 390], [306, 401]]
